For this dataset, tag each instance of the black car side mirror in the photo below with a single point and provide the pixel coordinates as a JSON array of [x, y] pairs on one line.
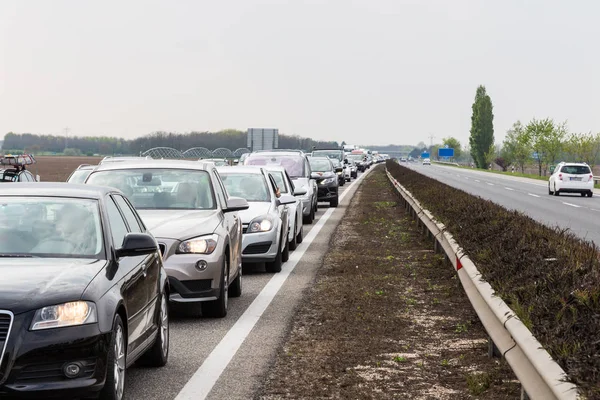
[[339, 169], [137, 244]]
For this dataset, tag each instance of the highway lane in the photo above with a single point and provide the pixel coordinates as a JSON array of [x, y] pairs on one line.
[[579, 214], [193, 339]]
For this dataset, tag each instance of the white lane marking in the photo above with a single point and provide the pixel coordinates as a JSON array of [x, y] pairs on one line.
[[491, 184], [467, 178], [205, 377], [572, 205], [531, 194], [507, 188], [477, 180]]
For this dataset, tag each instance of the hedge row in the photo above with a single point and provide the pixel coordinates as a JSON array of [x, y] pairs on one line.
[[548, 276]]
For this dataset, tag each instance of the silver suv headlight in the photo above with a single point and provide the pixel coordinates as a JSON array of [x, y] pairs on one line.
[[198, 245], [62, 315], [264, 223]]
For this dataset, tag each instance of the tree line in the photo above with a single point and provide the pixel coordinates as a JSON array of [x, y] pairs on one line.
[[90, 145]]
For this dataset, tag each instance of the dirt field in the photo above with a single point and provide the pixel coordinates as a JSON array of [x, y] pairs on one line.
[[386, 318], [58, 168]]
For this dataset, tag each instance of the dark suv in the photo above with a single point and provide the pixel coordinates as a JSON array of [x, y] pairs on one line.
[[325, 174]]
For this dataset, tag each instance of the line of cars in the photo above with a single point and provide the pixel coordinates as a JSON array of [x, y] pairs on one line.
[[92, 269]]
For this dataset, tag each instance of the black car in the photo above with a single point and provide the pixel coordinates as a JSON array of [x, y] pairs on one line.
[[327, 179], [83, 293]]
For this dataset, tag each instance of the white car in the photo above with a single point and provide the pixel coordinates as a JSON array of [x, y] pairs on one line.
[[571, 178], [426, 161]]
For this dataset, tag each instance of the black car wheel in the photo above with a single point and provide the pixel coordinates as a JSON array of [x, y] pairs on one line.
[[235, 289], [300, 236], [293, 242], [158, 354], [310, 217], [275, 265], [115, 372], [285, 255], [334, 202], [549, 191], [555, 191], [218, 308]]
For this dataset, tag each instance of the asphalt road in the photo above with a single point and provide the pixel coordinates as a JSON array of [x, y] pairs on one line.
[[579, 214], [232, 354]]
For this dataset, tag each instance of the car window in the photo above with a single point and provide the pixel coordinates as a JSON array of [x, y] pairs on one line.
[[274, 184], [280, 181], [252, 187], [221, 191], [117, 224], [290, 182], [294, 164], [79, 176], [50, 227], [320, 164], [160, 188], [575, 169], [132, 221]]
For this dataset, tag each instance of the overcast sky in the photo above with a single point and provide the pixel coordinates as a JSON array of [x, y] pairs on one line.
[[368, 72]]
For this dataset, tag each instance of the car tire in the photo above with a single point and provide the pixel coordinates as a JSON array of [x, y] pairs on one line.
[[114, 386], [583, 194], [275, 265], [550, 192], [590, 194], [556, 193], [285, 254], [342, 182], [235, 289], [218, 308], [311, 216], [300, 236], [293, 243], [334, 202], [158, 354]]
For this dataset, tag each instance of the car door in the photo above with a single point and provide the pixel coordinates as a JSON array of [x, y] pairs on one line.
[[130, 271], [151, 262], [233, 225], [298, 216], [282, 209], [311, 182]]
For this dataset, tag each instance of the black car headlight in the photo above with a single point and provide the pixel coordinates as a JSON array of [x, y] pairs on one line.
[[63, 315], [327, 181], [198, 245], [264, 223]]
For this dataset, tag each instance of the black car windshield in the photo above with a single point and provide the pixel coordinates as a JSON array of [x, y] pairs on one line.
[[328, 153], [160, 188], [294, 165], [50, 227], [320, 164], [280, 181], [79, 176], [575, 169], [252, 187]]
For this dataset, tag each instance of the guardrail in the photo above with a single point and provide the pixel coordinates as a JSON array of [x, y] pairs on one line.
[[540, 376], [445, 162]]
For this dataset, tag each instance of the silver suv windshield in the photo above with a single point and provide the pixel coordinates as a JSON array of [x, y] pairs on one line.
[[160, 188], [50, 227], [252, 187]]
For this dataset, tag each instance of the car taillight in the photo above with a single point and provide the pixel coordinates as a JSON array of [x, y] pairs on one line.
[[560, 176], [591, 177]]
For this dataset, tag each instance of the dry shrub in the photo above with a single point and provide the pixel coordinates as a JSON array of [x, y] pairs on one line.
[[548, 276]]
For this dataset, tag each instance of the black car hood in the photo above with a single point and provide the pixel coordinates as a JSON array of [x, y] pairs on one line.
[[31, 283]]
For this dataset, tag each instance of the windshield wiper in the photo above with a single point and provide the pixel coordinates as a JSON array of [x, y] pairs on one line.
[[2, 255]]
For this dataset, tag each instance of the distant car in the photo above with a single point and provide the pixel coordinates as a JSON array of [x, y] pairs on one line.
[[81, 173], [358, 160], [298, 168], [186, 207], [327, 181], [83, 293], [352, 167], [14, 168], [110, 159], [571, 178], [265, 222], [340, 171], [426, 161], [403, 159], [286, 186]]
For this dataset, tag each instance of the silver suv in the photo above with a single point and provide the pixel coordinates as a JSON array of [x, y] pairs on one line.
[[186, 207]]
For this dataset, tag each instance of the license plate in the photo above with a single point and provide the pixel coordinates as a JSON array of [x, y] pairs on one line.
[[573, 178]]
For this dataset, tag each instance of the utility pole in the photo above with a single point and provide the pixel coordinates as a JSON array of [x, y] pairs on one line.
[[431, 137]]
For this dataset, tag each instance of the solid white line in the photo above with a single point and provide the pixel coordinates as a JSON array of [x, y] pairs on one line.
[[476, 180], [466, 177], [572, 205], [205, 377], [491, 184], [507, 188], [534, 195]]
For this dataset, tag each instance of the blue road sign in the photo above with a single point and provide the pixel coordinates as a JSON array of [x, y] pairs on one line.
[[446, 153], [424, 155]]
